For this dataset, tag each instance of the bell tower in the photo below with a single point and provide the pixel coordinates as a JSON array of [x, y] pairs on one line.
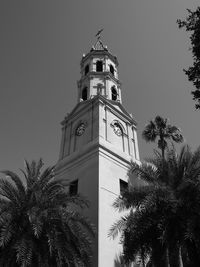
[[99, 140], [99, 74]]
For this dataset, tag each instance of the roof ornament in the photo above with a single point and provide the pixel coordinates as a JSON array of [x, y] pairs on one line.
[[98, 46], [98, 35]]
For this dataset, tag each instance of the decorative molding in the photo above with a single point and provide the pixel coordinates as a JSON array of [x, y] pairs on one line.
[[86, 105], [80, 129], [104, 53], [89, 151], [78, 124], [117, 127]]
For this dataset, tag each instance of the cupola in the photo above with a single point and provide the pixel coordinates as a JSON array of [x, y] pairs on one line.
[[99, 74]]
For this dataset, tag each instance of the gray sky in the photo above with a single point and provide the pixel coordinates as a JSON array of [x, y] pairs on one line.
[[40, 50]]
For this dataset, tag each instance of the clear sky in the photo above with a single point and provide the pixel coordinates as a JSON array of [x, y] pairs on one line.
[[41, 45]]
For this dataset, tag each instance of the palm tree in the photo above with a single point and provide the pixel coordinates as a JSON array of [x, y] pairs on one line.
[[164, 213], [38, 226], [159, 128]]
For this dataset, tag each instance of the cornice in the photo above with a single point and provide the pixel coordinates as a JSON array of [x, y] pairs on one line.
[[121, 158], [93, 74], [111, 104], [81, 155], [97, 147], [87, 104], [100, 53]]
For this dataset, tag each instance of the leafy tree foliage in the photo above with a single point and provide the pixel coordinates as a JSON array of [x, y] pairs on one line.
[[163, 213], [192, 25], [38, 227], [160, 129]]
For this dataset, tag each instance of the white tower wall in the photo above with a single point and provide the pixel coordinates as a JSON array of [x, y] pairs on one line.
[[99, 140]]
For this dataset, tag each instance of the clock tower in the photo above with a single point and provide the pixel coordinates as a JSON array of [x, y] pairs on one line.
[[99, 140]]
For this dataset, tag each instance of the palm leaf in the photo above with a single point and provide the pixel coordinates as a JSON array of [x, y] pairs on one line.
[[117, 227], [37, 224], [16, 179], [150, 132]]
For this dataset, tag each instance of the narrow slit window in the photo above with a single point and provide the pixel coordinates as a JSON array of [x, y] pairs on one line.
[[73, 188], [86, 69], [123, 186], [84, 94], [114, 93], [112, 69]]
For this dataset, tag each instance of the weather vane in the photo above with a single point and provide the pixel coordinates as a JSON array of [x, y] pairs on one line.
[[98, 35]]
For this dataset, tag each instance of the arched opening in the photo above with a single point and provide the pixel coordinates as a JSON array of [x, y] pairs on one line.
[[86, 69], [114, 93], [99, 66], [84, 94], [112, 69]]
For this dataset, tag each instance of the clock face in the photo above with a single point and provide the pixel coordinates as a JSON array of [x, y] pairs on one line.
[[80, 129], [117, 129]]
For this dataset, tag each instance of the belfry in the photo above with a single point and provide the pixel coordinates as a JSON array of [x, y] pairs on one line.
[[99, 140]]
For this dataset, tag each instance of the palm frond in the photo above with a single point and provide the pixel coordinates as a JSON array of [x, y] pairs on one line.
[[9, 191], [40, 223], [78, 218], [132, 198], [160, 122], [24, 250], [6, 233], [47, 176], [146, 172], [38, 167], [117, 227], [16, 179], [166, 208], [150, 132], [175, 133]]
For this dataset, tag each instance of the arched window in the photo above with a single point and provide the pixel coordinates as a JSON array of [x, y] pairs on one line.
[[84, 94], [114, 93], [112, 69], [86, 69], [99, 66]]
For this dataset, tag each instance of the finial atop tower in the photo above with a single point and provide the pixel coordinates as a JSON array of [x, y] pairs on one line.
[[98, 35], [99, 45]]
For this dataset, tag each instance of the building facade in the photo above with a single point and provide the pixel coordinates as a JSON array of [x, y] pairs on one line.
[[99, 140]]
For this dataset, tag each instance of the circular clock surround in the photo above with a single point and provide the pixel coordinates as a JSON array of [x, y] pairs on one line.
[[80, 129], [117, 129]]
